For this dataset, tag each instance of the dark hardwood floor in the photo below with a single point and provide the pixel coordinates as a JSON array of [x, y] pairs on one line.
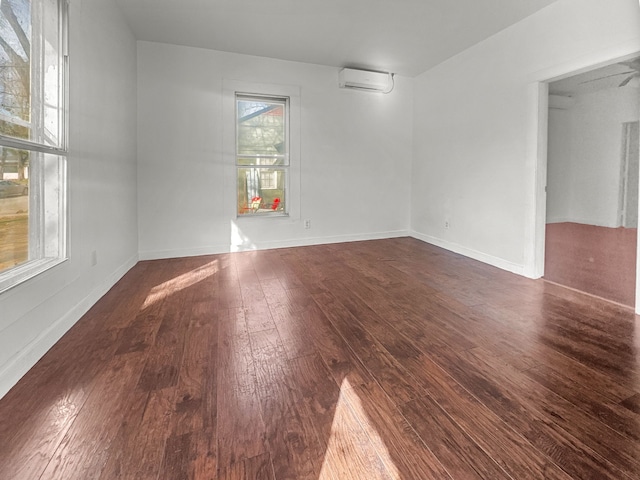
[[388, 359], [597, 260]]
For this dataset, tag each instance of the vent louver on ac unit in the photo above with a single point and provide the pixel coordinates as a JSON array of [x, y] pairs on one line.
[[365, 80]]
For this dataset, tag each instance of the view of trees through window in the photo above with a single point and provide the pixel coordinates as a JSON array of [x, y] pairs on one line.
[[262, 157], [15, 115]]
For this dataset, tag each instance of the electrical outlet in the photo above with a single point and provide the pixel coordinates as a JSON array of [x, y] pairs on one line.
[[446, 224], [94, 258], [307, 224]]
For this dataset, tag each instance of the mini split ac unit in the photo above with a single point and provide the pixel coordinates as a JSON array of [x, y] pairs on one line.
[[365, 80]]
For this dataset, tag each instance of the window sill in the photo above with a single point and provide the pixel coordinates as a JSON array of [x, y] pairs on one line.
[[16, 276], [263, 215]]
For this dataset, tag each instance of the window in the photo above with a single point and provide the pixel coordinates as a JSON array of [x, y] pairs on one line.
[[268, 179], [262, 154], [32, 138]]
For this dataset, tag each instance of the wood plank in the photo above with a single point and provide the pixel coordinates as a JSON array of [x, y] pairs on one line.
[[290, 441], [530, 420], [459, 454], [591, 401], [83, 451], [382, 329], [139, 447], [230, 295], [382, 366], [594, 259], [316, 394], [632, 403], [240, 429], [610, 444], [39, 422], [195, 407], [332, 347], [381, 359], [259, 468], [175, 463], [350, 452], [163, 362], [404, 452], [508, 448]]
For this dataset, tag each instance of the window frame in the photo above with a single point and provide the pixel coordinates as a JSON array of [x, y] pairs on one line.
[[284, 166], [231, 87], [47, 175]]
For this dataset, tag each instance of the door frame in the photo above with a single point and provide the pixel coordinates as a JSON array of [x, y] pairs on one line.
[[539, 97]]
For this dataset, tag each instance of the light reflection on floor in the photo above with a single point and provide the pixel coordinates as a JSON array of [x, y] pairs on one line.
[[186, 280], [354, 444]]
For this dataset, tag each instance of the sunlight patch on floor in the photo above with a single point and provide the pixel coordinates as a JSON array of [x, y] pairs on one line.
[[186, 280], [355, 449]]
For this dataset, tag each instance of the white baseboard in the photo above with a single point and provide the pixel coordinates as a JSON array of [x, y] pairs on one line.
[[16, 368], [469, 252], [183, 252], [581, 221], [304, 242], [297, 242]]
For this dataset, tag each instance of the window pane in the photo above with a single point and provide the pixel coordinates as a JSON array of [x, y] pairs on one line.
[[14, 207], [261, 190], [261, 127], [30, 65], [32, 199]]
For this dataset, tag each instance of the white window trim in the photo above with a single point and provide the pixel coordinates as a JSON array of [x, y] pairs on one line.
[[32, 268], [230, 89]]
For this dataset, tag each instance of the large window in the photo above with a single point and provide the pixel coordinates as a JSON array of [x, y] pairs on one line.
[[262, 154], [32, 137]]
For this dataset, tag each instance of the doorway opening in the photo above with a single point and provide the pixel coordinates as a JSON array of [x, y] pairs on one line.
[[592, 181]]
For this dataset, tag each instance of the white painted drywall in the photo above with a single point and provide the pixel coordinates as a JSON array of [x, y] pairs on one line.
[[584, 156], [355, 154], [102, 191], [476, 127]]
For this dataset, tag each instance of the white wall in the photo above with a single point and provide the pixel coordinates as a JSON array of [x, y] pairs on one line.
[[102, 191], [584, 156], [355, 154], [476, 127], [559, 166]]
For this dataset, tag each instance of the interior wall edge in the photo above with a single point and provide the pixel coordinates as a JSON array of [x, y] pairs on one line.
[[15, 369]]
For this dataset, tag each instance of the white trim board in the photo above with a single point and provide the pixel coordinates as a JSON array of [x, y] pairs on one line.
[[298, 242], [474, 254]]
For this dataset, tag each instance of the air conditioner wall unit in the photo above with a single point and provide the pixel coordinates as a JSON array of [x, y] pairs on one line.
[[365, 80]]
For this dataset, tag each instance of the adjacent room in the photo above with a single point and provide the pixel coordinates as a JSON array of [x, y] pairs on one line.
[[592, 181], [319, 240]]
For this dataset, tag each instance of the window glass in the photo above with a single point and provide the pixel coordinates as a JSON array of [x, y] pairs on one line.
[[14, 207], [262, 156], [261, 128], [30, 87]]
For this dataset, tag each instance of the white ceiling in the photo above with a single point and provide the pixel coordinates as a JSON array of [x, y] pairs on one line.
[[402, 36]]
